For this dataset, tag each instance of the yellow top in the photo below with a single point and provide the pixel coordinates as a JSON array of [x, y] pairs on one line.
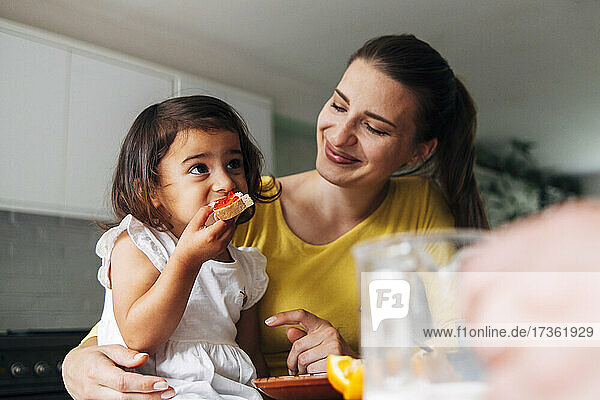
[[322, 278]]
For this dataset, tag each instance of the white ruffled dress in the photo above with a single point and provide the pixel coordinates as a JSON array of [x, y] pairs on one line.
[[201, 360]]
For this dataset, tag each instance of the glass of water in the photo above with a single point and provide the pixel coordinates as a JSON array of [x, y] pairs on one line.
[[410, 319]]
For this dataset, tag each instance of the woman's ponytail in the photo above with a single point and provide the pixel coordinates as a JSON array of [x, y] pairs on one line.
[[456, 159]]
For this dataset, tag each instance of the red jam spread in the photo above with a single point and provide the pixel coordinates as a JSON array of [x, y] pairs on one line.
[[226, 201]]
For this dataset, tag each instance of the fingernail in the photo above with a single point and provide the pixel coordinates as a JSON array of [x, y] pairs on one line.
[[167, 395], [161, 386], [139, 355], [270, 320]]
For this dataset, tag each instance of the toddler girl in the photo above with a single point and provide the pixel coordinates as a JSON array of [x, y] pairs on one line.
[[175, 287]]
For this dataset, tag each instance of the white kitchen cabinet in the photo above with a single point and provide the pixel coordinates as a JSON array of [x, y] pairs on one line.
[[105, 98], [64, 113], [33, 105], [65, 107]]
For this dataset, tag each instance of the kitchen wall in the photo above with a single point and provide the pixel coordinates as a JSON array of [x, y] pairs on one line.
[[48, 272], [591, 184], [295, 145]]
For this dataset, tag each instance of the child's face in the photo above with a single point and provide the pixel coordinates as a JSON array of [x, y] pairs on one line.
[[199, 167]]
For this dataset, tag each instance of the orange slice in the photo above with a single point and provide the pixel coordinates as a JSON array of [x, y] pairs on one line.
[[346, 376]]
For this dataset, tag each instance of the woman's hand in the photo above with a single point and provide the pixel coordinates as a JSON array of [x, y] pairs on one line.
[[311, 346], [92, 372]]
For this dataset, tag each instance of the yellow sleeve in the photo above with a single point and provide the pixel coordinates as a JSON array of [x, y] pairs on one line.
[[93, 333]]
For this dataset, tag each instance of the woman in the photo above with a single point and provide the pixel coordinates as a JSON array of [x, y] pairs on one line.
[[398, 106]]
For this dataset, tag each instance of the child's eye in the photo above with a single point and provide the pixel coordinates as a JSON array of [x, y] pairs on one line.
[[199, 169], [236, 163], [337, 107], [375, 131]]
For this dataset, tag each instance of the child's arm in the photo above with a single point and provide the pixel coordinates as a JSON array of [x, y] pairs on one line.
[[148, 305], [248, 337]]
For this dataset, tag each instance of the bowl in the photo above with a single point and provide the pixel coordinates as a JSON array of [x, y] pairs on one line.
[[301, 387]]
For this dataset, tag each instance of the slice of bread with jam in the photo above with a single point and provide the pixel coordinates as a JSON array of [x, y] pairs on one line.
[[231, 205]]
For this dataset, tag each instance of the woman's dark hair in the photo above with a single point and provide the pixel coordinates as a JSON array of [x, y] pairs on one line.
[[445, 111], [148, 140]]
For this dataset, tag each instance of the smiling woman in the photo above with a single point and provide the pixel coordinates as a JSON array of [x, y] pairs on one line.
[[359, 129], [398, 103]]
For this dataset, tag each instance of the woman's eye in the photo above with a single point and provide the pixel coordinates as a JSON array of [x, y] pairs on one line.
[[199, 169], [337, 107], [375, 131], [234, 164]]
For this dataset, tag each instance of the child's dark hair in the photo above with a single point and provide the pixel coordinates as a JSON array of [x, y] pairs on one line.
[[148, 140]]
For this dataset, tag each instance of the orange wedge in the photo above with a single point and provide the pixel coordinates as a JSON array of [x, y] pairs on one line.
[[346, 376]]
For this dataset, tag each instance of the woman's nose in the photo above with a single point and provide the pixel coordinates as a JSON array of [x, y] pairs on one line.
[[343, 134]]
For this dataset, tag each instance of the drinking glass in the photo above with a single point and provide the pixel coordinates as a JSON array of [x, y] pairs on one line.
[[409, 316]]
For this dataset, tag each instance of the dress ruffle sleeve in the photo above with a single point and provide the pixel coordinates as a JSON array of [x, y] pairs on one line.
[[142, 237], [255, 269]]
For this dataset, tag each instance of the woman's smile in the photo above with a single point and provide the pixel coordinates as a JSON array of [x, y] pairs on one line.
[[337, 156]]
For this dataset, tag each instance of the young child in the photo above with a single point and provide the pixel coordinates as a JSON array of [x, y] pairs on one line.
[[175, 287]]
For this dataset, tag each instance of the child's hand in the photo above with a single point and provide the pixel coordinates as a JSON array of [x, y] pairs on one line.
[[199, 243]]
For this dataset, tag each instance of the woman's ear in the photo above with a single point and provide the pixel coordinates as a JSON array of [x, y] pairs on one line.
[[422, 151]]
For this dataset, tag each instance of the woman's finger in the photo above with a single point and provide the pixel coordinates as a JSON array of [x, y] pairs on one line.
[[317, 366], [96, 376], [294, 334], [298, 347], [111, 376], [307, 321], [123, 356], [131, 382], [111, 394], [311, 356], [314, 347]]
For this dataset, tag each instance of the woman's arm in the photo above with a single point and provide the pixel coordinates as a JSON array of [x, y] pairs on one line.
[[92, 372], [248, 337], [311, 346]]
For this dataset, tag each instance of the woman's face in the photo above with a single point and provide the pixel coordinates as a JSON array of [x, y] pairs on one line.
[[365, 131]]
